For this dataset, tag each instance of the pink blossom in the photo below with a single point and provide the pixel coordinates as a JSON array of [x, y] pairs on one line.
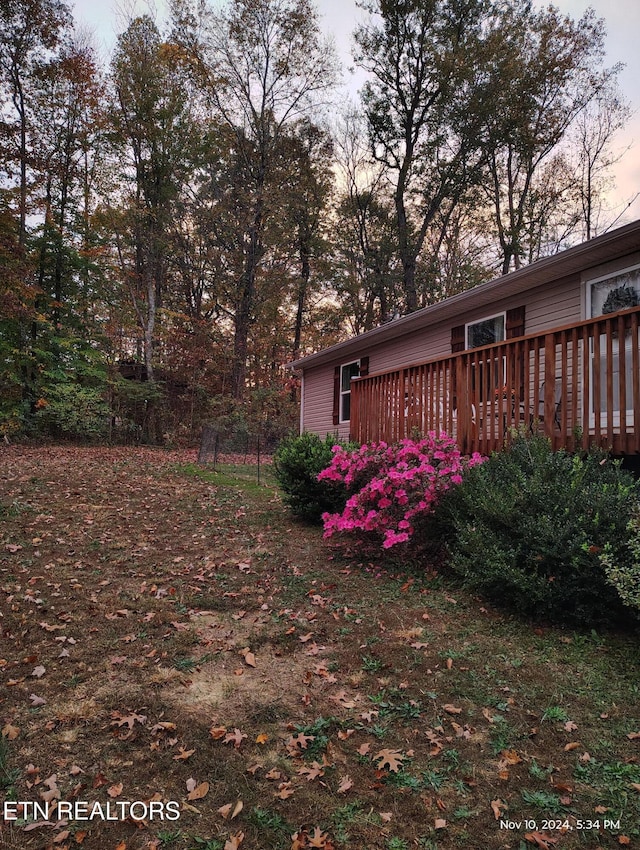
[[393, 484]]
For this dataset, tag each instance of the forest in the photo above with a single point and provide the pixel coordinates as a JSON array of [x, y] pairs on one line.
[[180, 222]]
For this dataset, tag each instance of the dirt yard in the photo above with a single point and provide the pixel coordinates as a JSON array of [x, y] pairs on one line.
[[185, 667]]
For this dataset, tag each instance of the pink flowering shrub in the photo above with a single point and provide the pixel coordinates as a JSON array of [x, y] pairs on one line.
[[393, 486]]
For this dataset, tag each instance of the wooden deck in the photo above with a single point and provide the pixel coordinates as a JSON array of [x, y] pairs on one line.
[[579, 384]]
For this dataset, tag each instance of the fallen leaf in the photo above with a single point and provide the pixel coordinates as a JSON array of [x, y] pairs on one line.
[[234, 841], [218, 732], [345, 784], [319, 838], [38, 671], [570, 726], [115, 790], [624, 839], [36, 700], [284, 790], [312, 772], [510, 757], [183, 755], [498, 807], [540, 839], [572, 746], [249, 657], [236, 738], [262, 738], [439, 823], [198, 792], [451, 709], [391, 758], [10, 732]]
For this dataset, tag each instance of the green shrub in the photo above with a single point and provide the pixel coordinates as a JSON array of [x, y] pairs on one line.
[[622, 564], [528, 527], [297, 462]]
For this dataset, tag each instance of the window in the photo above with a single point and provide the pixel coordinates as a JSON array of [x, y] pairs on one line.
[[605, 295], [347, 371], [485, 331], [487, 375], [619, 291]]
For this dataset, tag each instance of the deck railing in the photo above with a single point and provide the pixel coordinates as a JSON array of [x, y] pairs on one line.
[[579, 384]]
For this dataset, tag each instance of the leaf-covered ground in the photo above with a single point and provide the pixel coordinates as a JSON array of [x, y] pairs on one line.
[[171, 638]]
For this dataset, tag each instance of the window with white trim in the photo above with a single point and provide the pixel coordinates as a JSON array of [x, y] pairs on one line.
[[485, 331], [347, 372], [487, 375], [604, 295], [613, 292]]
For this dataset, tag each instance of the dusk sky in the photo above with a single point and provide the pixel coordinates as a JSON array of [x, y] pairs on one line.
[[108, 17]]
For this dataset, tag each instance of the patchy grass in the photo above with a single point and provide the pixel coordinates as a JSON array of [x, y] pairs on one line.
[[170, 634]]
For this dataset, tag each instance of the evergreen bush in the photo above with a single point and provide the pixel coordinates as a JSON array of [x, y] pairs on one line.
[[622, 564], [529, 525], [297, 462]]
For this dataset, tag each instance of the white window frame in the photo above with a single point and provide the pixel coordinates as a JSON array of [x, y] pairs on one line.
[[589, 284], [344, 393], [479, 321]]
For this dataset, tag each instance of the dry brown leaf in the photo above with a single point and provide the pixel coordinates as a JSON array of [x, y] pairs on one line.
[[572, 746], [121, 846], [237, 809], [234, 841], [225, 811], [198, 792], [115, 790], [249, 657], [10, 732], [634, 736], [319, 838], [635, 786], [391, 758], [218, 732], [345, 784], [624, 839], [236, 738], [284, 790], [385, 817], [262, 738], [570, 726], [541, 839], [312, 772], [510, 757], [183, 755], [451, 709], [498, 807], [363, 749], [439, 823], [273, 774]]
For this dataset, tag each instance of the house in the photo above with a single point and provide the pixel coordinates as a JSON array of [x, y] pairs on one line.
[[554, 346]]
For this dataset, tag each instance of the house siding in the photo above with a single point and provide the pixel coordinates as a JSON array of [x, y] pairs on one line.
[[553, 304], [434, 341]]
